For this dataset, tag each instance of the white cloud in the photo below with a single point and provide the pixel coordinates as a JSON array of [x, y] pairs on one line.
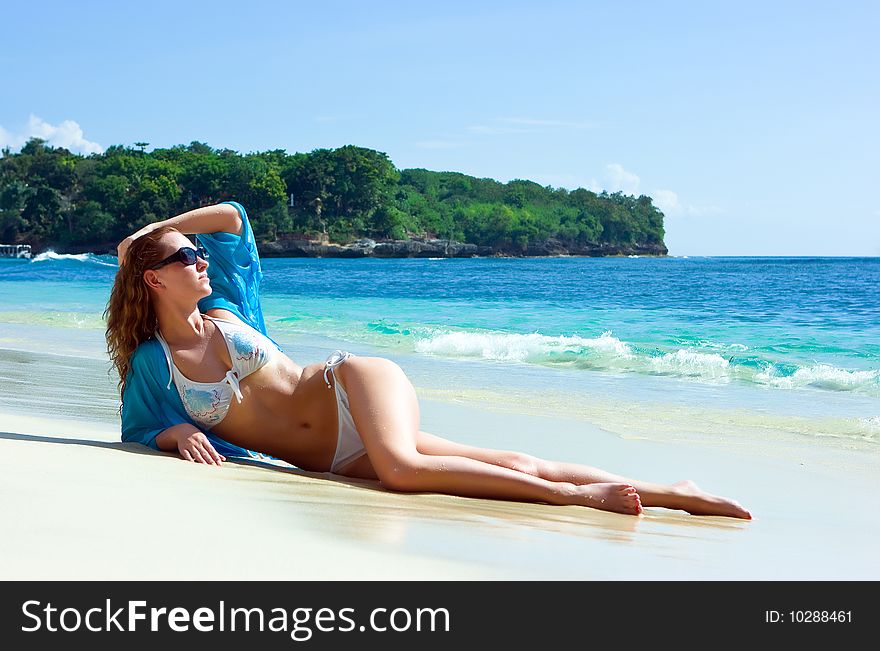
[[615, 179], [67, 134], [668, 202], [618, 179], [9, 140]]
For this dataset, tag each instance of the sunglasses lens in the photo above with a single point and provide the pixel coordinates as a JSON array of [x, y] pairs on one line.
[[188, 256]]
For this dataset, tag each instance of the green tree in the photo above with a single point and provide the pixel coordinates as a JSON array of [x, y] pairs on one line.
[[49, 195], [13, 197]]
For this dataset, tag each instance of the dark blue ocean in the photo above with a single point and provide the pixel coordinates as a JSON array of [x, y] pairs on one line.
[[650, 347]]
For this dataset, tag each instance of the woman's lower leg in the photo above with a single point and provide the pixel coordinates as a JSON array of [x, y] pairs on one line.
[[652, 494], [472, 478], [685, 495]]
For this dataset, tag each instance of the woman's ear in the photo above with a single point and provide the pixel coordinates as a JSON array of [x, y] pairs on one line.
[[151, 278]]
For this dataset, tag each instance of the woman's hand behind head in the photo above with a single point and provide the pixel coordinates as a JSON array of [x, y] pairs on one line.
[[122, 249]]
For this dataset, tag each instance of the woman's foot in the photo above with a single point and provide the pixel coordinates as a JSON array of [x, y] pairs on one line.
[[620, 498], [689, 497]]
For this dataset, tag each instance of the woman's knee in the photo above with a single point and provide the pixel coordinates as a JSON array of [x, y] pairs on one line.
[[402, 473], [522, 462]]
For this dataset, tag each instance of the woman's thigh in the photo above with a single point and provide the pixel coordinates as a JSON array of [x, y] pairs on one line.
[[384, 408], [436, 445], [426, 443], [385, 411]]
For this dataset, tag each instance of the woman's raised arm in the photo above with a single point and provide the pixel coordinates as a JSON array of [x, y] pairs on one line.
[[221, 217]]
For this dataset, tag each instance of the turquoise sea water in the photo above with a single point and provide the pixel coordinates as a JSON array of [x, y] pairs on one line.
[[651, 347]]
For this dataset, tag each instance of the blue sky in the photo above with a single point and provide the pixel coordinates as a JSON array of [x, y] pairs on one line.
[[754, 125]]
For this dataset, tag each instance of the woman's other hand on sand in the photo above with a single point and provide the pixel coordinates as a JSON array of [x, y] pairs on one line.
[[196, 447]]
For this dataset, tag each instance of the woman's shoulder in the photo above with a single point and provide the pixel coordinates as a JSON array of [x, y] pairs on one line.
[[226, 315]]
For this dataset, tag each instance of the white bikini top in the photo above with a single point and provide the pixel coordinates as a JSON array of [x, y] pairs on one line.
[[208, 402]]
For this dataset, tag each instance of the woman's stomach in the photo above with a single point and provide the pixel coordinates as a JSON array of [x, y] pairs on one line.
[[286, 411]]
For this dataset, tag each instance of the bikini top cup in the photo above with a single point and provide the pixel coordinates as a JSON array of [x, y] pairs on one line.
[[208, 402]]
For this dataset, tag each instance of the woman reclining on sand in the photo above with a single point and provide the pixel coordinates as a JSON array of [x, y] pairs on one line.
[[199, 375]]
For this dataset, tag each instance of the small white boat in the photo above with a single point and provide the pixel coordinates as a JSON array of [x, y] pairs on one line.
[[15, 251]]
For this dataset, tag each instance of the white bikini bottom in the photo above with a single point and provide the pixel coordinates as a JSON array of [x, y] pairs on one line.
[[349, 445]]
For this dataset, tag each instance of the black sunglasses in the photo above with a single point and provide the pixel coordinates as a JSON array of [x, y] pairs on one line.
[[186, 255]]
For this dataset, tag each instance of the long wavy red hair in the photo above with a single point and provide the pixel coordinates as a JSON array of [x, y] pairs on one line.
[[130, 316]]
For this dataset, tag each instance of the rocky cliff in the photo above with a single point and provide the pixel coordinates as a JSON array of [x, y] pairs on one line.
[[435, 248], [412, 248]]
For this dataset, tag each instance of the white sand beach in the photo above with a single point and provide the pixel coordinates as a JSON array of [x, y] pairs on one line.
[[78, 504]]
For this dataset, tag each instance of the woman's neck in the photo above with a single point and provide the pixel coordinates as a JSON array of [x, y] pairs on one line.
[[182, 328]]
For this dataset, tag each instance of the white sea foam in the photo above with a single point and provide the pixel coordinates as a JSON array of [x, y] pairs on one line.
[[50, 255], [720, 345], [692, 363], [607, 352], [521, 347], [822, 376]]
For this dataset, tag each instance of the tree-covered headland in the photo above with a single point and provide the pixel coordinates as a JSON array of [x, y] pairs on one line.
[[50, 197]]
